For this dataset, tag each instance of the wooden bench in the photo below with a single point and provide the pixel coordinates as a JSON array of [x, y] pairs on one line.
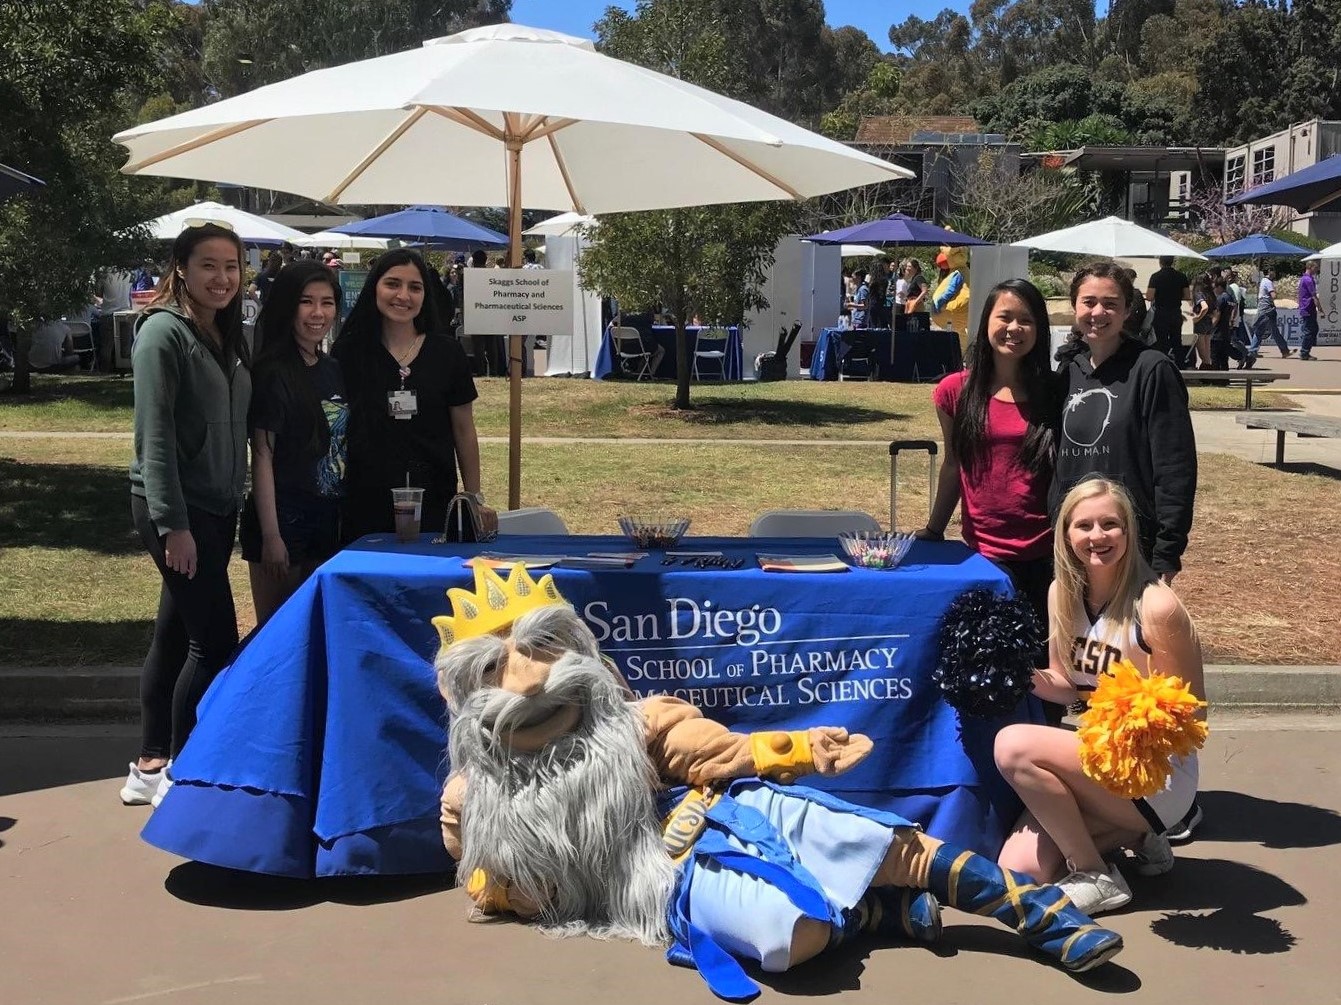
[[1234, 377], [1299, 423]]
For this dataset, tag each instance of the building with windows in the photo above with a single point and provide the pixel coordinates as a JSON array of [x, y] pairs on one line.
[[1273, 157]]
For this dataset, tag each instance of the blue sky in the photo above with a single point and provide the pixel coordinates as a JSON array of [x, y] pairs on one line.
[[575, 17]]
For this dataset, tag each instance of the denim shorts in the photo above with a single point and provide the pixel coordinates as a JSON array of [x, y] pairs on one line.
[[308, 525]]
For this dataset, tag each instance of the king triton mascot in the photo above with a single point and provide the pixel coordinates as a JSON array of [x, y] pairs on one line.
[[950, 299], [576, 806]]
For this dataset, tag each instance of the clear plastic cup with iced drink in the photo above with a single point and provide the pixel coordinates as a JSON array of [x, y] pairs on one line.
[[407, 504]]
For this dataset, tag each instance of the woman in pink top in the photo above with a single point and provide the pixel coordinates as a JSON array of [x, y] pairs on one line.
[[997, 421]]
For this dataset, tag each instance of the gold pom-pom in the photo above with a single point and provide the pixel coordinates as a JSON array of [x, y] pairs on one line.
[[1133, 728]]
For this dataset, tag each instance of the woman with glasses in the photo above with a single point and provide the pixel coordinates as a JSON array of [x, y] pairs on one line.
[[291, 523], [192, 391], [410, 396]]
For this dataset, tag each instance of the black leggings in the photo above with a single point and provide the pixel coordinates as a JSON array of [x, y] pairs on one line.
[[195, 631]]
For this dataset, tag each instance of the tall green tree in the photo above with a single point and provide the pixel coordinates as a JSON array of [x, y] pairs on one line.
[[71, 74], [248, 43], [708, 260]]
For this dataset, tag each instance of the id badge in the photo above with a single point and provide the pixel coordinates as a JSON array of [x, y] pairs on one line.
[[402, 404]]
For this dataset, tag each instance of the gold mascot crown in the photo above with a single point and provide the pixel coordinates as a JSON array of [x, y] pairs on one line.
[[495, 604]]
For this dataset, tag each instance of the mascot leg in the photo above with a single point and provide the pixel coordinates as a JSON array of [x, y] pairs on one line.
[[970, 882]]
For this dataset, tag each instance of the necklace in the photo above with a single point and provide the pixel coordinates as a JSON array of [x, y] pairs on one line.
[[402, 368]]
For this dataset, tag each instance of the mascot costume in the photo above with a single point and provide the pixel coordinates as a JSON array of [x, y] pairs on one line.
[[577, 806], [950, 300]]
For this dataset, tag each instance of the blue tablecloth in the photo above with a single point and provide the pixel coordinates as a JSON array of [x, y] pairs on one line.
[[899, 356], [664, 336], [320, 751]]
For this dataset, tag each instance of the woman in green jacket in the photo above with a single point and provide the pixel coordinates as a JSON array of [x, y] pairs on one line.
[[192, 390]]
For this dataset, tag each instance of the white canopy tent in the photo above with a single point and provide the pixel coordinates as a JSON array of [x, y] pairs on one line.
[[1110, 237], [563, 225], [251, 228], [342, 242]]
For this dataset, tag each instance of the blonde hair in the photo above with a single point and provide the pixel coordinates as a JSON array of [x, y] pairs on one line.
[[1123, 609]]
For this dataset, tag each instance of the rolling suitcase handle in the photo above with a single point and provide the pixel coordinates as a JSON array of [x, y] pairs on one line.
[[931, 447]]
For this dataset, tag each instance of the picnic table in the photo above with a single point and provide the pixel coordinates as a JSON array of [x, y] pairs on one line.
[[1301, 424], [1246, 378]]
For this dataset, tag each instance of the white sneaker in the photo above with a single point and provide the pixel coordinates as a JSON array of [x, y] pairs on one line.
[[1154, 857], [1095, 892], [141, 786], [164, 784]]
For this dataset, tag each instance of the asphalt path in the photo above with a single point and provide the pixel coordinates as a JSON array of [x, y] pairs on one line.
[[90, 915]]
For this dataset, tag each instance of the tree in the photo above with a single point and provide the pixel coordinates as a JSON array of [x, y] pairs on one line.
[[709, 260], [248, 43], [71, 74], [877, 95], [1002, 207]]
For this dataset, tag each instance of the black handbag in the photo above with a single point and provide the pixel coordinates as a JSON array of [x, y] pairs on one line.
[[464, 523]]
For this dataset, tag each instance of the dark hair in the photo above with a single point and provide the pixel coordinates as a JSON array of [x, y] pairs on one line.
[[278, 356], [273, 263], [968, 432], [528, 255], [1166, 261], [363, 327], [478, 258], [171, 288], [1105, 270]]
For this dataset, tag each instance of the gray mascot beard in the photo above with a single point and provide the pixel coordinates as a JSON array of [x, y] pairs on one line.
[[572, 826]]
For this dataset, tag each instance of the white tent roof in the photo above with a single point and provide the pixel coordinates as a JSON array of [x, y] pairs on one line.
[[335, 239], [252, 229], [1111, 237], [561, 225]]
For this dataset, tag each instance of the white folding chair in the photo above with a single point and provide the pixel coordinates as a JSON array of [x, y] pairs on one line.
[[711, 346], [531, 520], [633, 357], [811, 523]]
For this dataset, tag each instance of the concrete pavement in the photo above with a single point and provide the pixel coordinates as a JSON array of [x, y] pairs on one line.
[[93, 916]]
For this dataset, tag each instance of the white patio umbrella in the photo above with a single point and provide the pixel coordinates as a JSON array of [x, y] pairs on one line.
[[859, 251], [1331, 251], [251, 228], [342, 242], [1111, 237], [563, 225], [503, 115]]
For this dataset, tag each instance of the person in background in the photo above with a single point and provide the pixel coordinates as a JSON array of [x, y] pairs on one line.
[[1140, 312], [144, 278], [260, 286], [879, 316], [1267, 322], [918, 288], [394, 352], [1224, 316], [298, 420], [1106, 605], [192, 392], [858, 305], [1203, 323], [897, 291], [1167, 290], [997, 419], [1308, 311]]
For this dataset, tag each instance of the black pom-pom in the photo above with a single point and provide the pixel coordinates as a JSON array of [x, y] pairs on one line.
[[989, 645]]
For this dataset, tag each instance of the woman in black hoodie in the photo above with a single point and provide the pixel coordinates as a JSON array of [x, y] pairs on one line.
[[1125, 416]]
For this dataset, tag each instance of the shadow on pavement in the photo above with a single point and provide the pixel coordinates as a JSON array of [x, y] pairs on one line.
[[1233, 897], [1234, 816], [211, 886], [5, 824], [1310, 468], [52, 762]]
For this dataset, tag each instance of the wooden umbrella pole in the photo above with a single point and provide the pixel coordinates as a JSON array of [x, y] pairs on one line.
[[515, 361]]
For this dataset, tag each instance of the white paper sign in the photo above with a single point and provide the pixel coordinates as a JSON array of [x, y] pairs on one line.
[[518, 301]]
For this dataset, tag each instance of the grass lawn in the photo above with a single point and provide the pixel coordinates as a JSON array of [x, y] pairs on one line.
[[77, 588], [577, 407]]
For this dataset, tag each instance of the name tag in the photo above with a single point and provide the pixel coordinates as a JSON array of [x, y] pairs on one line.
[[402, 404]]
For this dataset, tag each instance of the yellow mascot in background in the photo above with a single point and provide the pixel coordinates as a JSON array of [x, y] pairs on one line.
[[950, 301]]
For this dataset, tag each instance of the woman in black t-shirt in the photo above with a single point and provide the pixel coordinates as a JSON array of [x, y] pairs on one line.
[[410, 394], [291, 521]]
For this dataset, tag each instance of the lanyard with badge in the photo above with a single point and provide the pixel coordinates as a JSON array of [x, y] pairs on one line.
[[404, 403]]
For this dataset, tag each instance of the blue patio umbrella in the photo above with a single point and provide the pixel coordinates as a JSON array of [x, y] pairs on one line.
[[894, 229], [13, 181], [1254, 246], [430, 226], [1305, 190]]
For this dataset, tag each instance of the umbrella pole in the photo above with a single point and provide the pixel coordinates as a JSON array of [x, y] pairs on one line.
[[515, 353]]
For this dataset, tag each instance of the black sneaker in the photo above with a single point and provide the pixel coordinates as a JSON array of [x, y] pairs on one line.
[[1182, 830], [1306, 357]]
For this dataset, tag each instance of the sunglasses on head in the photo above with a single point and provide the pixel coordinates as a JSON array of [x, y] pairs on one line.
[[202, 222]]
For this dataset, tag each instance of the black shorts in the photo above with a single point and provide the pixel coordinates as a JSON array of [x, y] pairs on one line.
[[308, 525]]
